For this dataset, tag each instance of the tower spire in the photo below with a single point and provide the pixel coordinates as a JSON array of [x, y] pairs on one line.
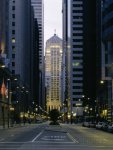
[[55, 32]]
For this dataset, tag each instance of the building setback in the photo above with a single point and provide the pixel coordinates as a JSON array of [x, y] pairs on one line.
[[53, 58]]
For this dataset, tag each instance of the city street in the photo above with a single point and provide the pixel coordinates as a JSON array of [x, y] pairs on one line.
[[64, 137]]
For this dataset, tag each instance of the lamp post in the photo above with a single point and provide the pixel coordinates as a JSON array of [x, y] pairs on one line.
[[10, 89], [8, 101], [63, 112]]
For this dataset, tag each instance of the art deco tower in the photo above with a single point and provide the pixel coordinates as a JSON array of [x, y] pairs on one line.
[[53, 57]]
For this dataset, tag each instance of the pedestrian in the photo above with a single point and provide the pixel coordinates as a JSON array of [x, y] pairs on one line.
[[24, 120]]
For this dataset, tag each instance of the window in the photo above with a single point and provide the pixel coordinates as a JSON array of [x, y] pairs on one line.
[[13, 31], [77, 93], [13, 55], [13, 23], [13, 64], [13, 7], [13, 1], [13, 40], [13, 15], [77, 69], [13, 71], [77, 81], [77, 87], [77, 75], [13, 47]]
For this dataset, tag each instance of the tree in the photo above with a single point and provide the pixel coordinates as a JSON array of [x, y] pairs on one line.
[[54, 115]]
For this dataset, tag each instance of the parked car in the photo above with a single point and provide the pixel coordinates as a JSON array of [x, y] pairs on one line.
[[110, 127], [99, 125], [92, 124], [105, 126], [85, 124]]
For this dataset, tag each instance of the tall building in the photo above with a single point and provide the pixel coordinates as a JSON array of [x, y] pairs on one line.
[[34, 56], [107, 55], [53, 59], [38, 6], [79, 42], [19, 32], [20, 50], [39, 15], [19, 37]]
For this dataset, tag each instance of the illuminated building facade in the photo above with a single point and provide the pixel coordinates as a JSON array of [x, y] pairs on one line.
[[53, 59]]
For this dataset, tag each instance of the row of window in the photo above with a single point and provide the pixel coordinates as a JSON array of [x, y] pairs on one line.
[[77, 81], [76, 22], [78, 45], [13, 38], [77, 52], [77, 93], [78, 28], [77, 5], [77, 75], [77, 87], [77, 40]]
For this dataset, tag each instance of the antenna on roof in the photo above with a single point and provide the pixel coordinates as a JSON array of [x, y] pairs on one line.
[[55, 32]]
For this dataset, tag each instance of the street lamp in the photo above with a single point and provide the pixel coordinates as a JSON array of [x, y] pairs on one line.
[[9, 81], [8, 100]]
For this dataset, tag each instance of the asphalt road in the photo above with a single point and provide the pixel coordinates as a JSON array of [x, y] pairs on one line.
[[64, 137]]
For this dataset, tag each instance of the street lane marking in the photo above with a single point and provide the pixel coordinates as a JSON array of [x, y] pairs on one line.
[[54, 138], [37, 136], [15, 142], [72, 138], [54, 142]]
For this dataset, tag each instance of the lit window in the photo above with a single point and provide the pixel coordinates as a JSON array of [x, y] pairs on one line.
[[13, 40], [76, 64]]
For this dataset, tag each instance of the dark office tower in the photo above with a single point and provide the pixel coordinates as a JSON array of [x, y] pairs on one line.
[[19, 41], [65, 56], [101, 89], [89, 51], [107, 54], [79, 17], [98, 44], [35, 62], [39, 15]]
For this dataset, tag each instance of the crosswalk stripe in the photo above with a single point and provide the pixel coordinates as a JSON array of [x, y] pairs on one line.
[[72, 138], [37, 136]]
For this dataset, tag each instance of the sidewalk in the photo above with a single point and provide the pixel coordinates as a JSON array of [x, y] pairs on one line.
[[14, 126]]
